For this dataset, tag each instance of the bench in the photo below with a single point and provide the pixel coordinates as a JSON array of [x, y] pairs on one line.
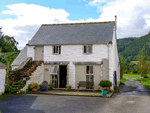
[[86, 84]]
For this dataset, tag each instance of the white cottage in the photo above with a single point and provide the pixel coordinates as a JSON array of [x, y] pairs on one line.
[[75, 52], [2, 77]]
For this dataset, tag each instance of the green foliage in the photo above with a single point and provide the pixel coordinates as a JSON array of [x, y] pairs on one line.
[[20, 82], [105, 83], [8, 44], [143, 65], [68, 87], [122, 65], [130, 47], [34, 85], [10, 89], [51, 86], [41, 86]]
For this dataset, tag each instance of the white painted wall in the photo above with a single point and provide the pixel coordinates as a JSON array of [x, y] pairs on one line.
[[2, 80], [13, 67], [114, 59], [74, 53], [30, 52]]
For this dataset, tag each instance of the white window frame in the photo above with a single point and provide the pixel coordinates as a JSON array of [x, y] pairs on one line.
[[86, 70], [87, 49], [55, 46]]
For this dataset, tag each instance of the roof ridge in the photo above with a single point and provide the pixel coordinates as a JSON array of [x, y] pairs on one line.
[[78, 23]]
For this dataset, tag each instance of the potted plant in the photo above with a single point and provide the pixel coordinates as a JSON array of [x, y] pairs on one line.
[[68, 87], [34, 87], [51, 86], [105, 86], [37, 62]]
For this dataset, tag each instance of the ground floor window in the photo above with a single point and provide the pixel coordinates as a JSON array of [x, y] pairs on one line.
[[89, 75]]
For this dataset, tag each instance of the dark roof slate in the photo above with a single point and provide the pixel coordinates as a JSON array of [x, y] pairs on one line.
[[74, 33]]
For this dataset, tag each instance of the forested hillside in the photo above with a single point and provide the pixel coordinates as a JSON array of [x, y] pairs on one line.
[[130, 47]]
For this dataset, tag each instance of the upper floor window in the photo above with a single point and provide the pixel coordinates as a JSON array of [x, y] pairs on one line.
[[57, 49], [87, 49]]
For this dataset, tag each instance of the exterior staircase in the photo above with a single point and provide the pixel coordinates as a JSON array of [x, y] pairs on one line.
[[19, 77]]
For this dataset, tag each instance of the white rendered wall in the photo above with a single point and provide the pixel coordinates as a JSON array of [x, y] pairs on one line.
[[13, 67], [113, 60], [30, 52], [2, 80], [74, 53]]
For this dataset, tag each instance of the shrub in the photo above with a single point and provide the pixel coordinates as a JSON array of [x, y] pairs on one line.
[[34, 85], [68, 87], [41, 86], [10, 89], [105, 83], [145, 76], [51, 86]]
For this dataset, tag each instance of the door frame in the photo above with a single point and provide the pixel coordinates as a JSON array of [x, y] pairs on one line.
[[59, 75]]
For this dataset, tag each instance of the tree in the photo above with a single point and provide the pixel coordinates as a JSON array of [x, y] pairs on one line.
[[7, 59], [8, 44], [143, 64], [122, 65]]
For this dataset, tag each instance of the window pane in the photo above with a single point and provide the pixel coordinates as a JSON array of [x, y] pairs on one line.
[[87, 69], [53, 49], [85, 49], [90, 49], [59, 49], [56, 49], [54, 69], [91, 69]]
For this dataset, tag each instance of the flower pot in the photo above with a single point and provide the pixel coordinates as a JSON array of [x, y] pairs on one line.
[[34, 89], [107, 88], [104, 93]]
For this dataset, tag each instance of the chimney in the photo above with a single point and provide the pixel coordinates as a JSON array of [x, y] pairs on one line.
[[116, 22]]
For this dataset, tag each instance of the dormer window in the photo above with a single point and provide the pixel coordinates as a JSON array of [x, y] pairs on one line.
[[87, 49], [57, 49]]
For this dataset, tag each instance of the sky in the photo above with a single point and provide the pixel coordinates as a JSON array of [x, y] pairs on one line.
[[22, 18]]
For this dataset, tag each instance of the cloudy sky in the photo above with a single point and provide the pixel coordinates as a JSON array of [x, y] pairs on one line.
[[22, 18]]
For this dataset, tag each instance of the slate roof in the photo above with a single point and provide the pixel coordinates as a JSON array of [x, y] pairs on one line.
[[21, 57], [2, 65], [74, 33]]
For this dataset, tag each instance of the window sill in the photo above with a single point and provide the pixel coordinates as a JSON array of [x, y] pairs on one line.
[[87, 53]]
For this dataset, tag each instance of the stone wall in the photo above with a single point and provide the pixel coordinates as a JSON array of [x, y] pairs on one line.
[[36, 77], [105, 68], [2, 80]]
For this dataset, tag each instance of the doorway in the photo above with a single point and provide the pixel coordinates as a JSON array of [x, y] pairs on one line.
[[62, 76]]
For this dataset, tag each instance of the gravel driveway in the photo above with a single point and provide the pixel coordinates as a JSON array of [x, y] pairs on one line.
[[130, 99]]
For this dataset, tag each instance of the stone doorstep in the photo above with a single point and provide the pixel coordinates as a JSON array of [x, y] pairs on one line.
[[47, 93]]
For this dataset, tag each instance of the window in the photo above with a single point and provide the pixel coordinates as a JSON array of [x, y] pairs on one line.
[[89, 75], [87, 49], [54, 69], [57, 49], [54, 74]]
